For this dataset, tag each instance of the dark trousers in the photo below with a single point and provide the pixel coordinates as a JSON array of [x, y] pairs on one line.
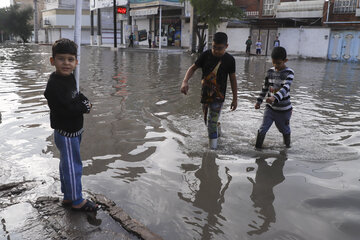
[[131, 43], [281, 119]]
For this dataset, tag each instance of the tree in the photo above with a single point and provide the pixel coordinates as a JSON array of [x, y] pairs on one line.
[[2, 23], [210, 13], [16, 21]]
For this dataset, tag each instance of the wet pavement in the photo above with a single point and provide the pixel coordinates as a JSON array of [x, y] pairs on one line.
[[145, 147]]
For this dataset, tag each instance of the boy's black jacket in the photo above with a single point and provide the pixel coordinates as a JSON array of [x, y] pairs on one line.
[[66, 104]]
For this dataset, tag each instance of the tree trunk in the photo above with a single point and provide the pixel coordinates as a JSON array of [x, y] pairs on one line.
[[211, 32], [202, 38], [194, 31]]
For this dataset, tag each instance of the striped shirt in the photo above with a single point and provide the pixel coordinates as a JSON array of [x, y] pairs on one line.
[[70, 135], [277, 84]]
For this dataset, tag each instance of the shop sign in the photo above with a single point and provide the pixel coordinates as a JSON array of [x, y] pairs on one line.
[[144, 12], [121, 10], [149, 3]]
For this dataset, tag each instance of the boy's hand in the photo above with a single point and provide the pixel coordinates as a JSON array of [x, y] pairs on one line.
[[270, 100], [184, 88], [257, 106], [88, 105], [233, 105]]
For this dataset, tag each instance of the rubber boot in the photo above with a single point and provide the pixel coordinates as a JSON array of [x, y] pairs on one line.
[[287, 140], [213, 143], [259, 140]]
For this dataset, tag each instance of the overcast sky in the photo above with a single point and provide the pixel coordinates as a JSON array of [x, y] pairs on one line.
[[4, 3]]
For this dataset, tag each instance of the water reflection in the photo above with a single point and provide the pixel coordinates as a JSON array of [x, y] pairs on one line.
[[267, 177], [130, 174], [210, 195]]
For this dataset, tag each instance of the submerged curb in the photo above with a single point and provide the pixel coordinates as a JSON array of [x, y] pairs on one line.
[[118, 214], [46, 214]]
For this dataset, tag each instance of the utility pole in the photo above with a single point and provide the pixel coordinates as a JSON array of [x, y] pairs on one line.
[[77, 38], [160, 18], [91, 27], [99, 38], [328, 10], [36, 26], [115, 33], [193, 26]]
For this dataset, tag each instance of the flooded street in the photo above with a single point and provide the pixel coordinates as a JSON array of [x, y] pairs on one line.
[[145, 145]]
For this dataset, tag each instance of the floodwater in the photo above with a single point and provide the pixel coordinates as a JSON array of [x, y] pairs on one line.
[[145, 145]]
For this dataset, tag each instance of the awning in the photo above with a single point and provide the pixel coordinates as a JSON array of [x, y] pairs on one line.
[[144, 12]]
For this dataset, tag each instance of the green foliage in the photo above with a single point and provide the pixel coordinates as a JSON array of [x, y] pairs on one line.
[[210, 13], [213, 12], [16, 21]]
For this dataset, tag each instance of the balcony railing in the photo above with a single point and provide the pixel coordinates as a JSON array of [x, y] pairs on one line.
[[252, 14], [344, 6]]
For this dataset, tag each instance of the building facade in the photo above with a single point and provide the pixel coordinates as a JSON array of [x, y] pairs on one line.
[[307, 28], [58, 20], [343, 18]]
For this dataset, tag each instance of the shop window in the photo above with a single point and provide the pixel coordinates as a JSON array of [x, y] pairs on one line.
[[344, 6]]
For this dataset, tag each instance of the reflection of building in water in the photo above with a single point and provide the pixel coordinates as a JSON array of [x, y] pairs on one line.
[[130, 174], [209, 196], [267, 177]]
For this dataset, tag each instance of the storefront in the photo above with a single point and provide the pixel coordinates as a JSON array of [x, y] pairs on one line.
[[152, 15], [170, 27]]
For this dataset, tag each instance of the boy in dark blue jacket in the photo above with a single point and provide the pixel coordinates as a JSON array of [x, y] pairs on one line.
[[67, 107]]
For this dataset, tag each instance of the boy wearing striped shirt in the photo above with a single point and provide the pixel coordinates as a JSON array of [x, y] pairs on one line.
[[276, 89]]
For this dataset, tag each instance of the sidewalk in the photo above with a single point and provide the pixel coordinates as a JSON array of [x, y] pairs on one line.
[[24, 217], [141, 48]]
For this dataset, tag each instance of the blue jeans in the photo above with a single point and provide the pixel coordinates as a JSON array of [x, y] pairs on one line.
[[70, 167], [281, 119], [213, 118]]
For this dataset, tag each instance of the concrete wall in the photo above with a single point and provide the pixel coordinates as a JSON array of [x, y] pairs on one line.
[[185, 35], [305, 42], [69, 20], [69, 33], [42, 36], [54, 34], [57, 33], [52, 4], [237, 38]]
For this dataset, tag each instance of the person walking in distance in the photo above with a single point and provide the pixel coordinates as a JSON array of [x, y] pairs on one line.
[[248, 45], [258, 46]]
